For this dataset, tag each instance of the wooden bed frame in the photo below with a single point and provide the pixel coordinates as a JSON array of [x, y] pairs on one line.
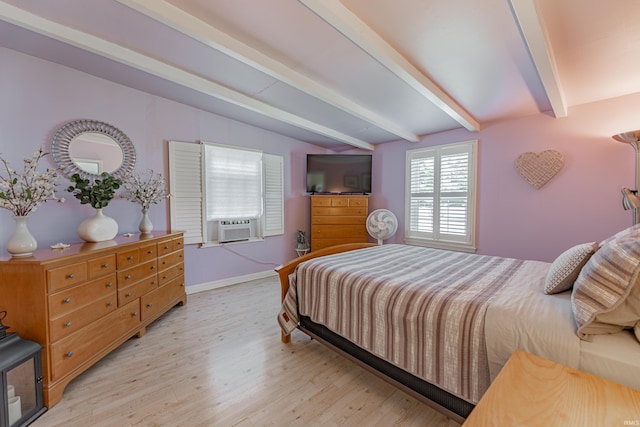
[[451, 406]]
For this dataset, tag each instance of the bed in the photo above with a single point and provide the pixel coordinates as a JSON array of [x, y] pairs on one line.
[[441, 324]]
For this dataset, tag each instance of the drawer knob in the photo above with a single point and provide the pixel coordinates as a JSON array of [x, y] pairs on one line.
[[109, 304], [67, 300], [164, 277], [150, 305], [66, 325], [149, 252], [166, 247], [153, 282], [128, 294], [69, 353], [109, 285], [135, 313], [180, 256], [130, 258], [164, 262], [71, 275], [127, 277], [105, 265], [153, 267]]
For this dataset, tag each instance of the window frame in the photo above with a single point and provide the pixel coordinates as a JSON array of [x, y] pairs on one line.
[[465, 242], [187, 185]]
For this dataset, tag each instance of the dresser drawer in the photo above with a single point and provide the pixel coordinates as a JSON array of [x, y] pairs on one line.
[[128, 258], [134, 291], [69, 275], [338, 202], [339, 220], [131, 275], [99, 267], [168, 274], [170, 260], [339, 211], [148, 252], [154, 302], [326, 243], [71, 299], [338, 231], [358, 202], [177, 243], [164, 247], [74, 320], [70, 352], [320, 201]]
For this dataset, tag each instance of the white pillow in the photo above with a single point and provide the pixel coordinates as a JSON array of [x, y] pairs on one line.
[[565, 269]]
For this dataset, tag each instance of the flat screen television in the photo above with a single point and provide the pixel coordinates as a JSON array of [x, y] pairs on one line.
[[339, 173]]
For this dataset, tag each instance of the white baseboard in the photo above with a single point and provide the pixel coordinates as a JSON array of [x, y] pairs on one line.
[[201, 287]]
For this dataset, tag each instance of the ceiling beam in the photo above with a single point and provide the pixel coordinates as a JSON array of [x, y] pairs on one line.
[[166, 71], [535, 35], [343, 20], [195, 28]]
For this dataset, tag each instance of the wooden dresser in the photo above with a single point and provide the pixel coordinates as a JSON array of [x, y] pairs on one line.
[[337, 219], [83, 301]]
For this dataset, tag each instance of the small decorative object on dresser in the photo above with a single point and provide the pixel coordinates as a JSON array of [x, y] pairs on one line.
[[145, 189], [22, 193], [98, 193]]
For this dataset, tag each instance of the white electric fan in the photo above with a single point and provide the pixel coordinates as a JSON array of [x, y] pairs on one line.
[[382, 224]]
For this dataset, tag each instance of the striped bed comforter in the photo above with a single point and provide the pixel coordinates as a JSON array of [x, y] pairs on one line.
[[418, 308]]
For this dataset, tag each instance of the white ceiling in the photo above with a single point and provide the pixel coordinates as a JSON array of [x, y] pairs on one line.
[[345, 73]]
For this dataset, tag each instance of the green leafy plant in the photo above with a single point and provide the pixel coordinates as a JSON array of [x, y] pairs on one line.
[[301, 238], [96, 192]]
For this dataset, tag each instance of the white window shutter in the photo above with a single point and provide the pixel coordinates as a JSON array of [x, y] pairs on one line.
[[273, 167], [440, 194], [185, 186]]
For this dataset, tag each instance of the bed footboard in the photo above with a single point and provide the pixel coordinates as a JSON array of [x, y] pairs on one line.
[[286, 269]]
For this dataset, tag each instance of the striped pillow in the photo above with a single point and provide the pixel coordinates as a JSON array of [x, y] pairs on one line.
[[606, 296], [629, 231], [565, 269]]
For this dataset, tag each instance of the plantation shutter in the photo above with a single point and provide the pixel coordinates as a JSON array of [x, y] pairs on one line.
[[273, 194], [440, 196], [185, 187]]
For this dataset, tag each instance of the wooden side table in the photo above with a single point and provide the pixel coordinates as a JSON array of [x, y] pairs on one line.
[[533, 391]]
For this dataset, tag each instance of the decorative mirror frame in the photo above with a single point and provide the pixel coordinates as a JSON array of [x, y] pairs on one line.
[[65, 135]]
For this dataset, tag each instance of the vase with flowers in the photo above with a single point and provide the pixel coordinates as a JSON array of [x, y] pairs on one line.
[[146, 189], [22, 193], [97, 192]]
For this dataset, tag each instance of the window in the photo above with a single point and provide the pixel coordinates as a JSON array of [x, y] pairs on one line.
[[219, 191], [440, 196]]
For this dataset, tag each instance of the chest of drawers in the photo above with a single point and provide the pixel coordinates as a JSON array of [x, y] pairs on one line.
[[337, 219], [82, 302]]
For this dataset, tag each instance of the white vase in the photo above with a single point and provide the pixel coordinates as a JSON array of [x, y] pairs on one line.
[[145, 225], [21, 243], [98, 228]]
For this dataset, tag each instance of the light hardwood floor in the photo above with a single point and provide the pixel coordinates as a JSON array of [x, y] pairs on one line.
[[218, 361]]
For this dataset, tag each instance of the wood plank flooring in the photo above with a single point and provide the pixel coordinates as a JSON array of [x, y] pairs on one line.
[[218, 361]]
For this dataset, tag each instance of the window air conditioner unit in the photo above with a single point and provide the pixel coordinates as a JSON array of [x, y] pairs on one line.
[[234, 230]]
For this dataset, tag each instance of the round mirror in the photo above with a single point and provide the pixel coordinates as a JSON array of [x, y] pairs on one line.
[[90, 147]]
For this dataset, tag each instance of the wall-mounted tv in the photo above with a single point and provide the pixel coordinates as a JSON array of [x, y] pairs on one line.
[[339, 173]]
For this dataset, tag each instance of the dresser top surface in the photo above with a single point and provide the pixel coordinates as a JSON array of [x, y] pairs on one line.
[[85, 248]]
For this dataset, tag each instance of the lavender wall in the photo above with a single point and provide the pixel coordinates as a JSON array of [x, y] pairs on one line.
[[582, 203], [39, 96]]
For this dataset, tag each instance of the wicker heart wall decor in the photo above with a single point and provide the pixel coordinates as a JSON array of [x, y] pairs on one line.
[[538, 168]]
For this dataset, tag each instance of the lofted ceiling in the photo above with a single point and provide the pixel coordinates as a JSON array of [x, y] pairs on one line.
[[345, 73]]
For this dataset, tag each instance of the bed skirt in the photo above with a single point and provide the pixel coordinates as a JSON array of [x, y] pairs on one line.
[[451, 404]]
